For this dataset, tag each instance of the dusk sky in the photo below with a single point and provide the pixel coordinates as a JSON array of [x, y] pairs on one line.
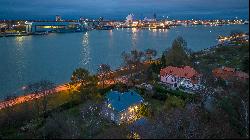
[[118, 9]]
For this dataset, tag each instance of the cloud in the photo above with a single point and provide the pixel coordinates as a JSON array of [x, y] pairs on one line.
[[17, 8]]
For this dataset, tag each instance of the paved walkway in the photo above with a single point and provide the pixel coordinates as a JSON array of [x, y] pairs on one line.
[[29, 97]]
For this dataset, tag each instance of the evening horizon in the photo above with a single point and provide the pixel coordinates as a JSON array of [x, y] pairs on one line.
[[179, 9]]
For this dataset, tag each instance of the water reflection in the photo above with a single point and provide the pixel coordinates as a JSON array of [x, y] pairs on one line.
[[19, 40], [19, 57], [110, 33], [85, 51], [111, 39], [154, 30], [134, 37]]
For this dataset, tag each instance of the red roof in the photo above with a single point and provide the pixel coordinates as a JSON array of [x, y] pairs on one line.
[[184, 72], [228, 69], [227, 73], [242, 75]]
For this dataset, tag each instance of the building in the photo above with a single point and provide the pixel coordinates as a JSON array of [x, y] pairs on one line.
[[176, 77], [228, 74], [32, 27], [129, 18], [122, 107], [58, 18]]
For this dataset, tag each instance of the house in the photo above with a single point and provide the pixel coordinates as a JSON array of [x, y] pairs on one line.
[[122, 107], [228, 74], [186, 77]]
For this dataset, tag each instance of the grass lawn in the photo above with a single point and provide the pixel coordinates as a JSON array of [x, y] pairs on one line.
[[14, 117], [155, 104], [59, 122]]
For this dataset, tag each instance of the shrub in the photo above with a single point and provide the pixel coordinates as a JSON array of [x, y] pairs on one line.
[[173, 101]]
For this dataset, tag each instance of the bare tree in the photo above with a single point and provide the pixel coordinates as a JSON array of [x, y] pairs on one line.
[[103, 73], [133, 61], [41, 90], [150, 54]]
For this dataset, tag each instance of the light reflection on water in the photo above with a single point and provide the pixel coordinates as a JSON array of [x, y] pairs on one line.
[[134, 37], [20, 56], [85, 51]]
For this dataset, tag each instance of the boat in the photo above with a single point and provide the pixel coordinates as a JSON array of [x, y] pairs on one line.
[[73, 30], [105, 27], [162, 27], [40, 33], [15, 34]]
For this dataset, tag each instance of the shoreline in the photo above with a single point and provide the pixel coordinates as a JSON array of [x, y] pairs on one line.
[[140, 28], [61, 87], [29, 97]]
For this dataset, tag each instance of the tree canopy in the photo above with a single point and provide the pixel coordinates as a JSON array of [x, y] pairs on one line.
[[103, 72], [178, 54]]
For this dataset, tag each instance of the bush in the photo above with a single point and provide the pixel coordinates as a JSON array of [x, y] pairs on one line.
[[230, 108], [159, 88], [160, 96], [64, 106], [103, 91], [173, 101], [144, 110]]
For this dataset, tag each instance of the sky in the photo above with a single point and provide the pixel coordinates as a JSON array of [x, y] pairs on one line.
[[118, 9]]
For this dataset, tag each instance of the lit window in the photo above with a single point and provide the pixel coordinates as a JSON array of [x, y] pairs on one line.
[[109, 105]]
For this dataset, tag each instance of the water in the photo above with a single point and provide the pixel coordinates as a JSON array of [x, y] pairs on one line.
[[53, 57]]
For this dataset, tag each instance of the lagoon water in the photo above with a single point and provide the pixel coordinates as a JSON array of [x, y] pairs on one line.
[[53, 57]]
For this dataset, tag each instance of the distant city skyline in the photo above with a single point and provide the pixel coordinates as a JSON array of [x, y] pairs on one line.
[[118, 9]]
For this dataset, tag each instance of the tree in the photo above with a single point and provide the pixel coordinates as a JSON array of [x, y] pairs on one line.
[[133, 61], [114, 132], [150, 54], [153, 71], [72, 88], [90, 90], [236, 32], [143, 110], [103, 72], [41, 90], [240, 100], [132, 58], [78, 79], [163, 60], [120, 87], [245, 64], [173, 101], [60, 126], [178, 54], [80, 76], [87, 84]]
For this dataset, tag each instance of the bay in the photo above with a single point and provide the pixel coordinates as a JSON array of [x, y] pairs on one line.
[[53, 57]]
